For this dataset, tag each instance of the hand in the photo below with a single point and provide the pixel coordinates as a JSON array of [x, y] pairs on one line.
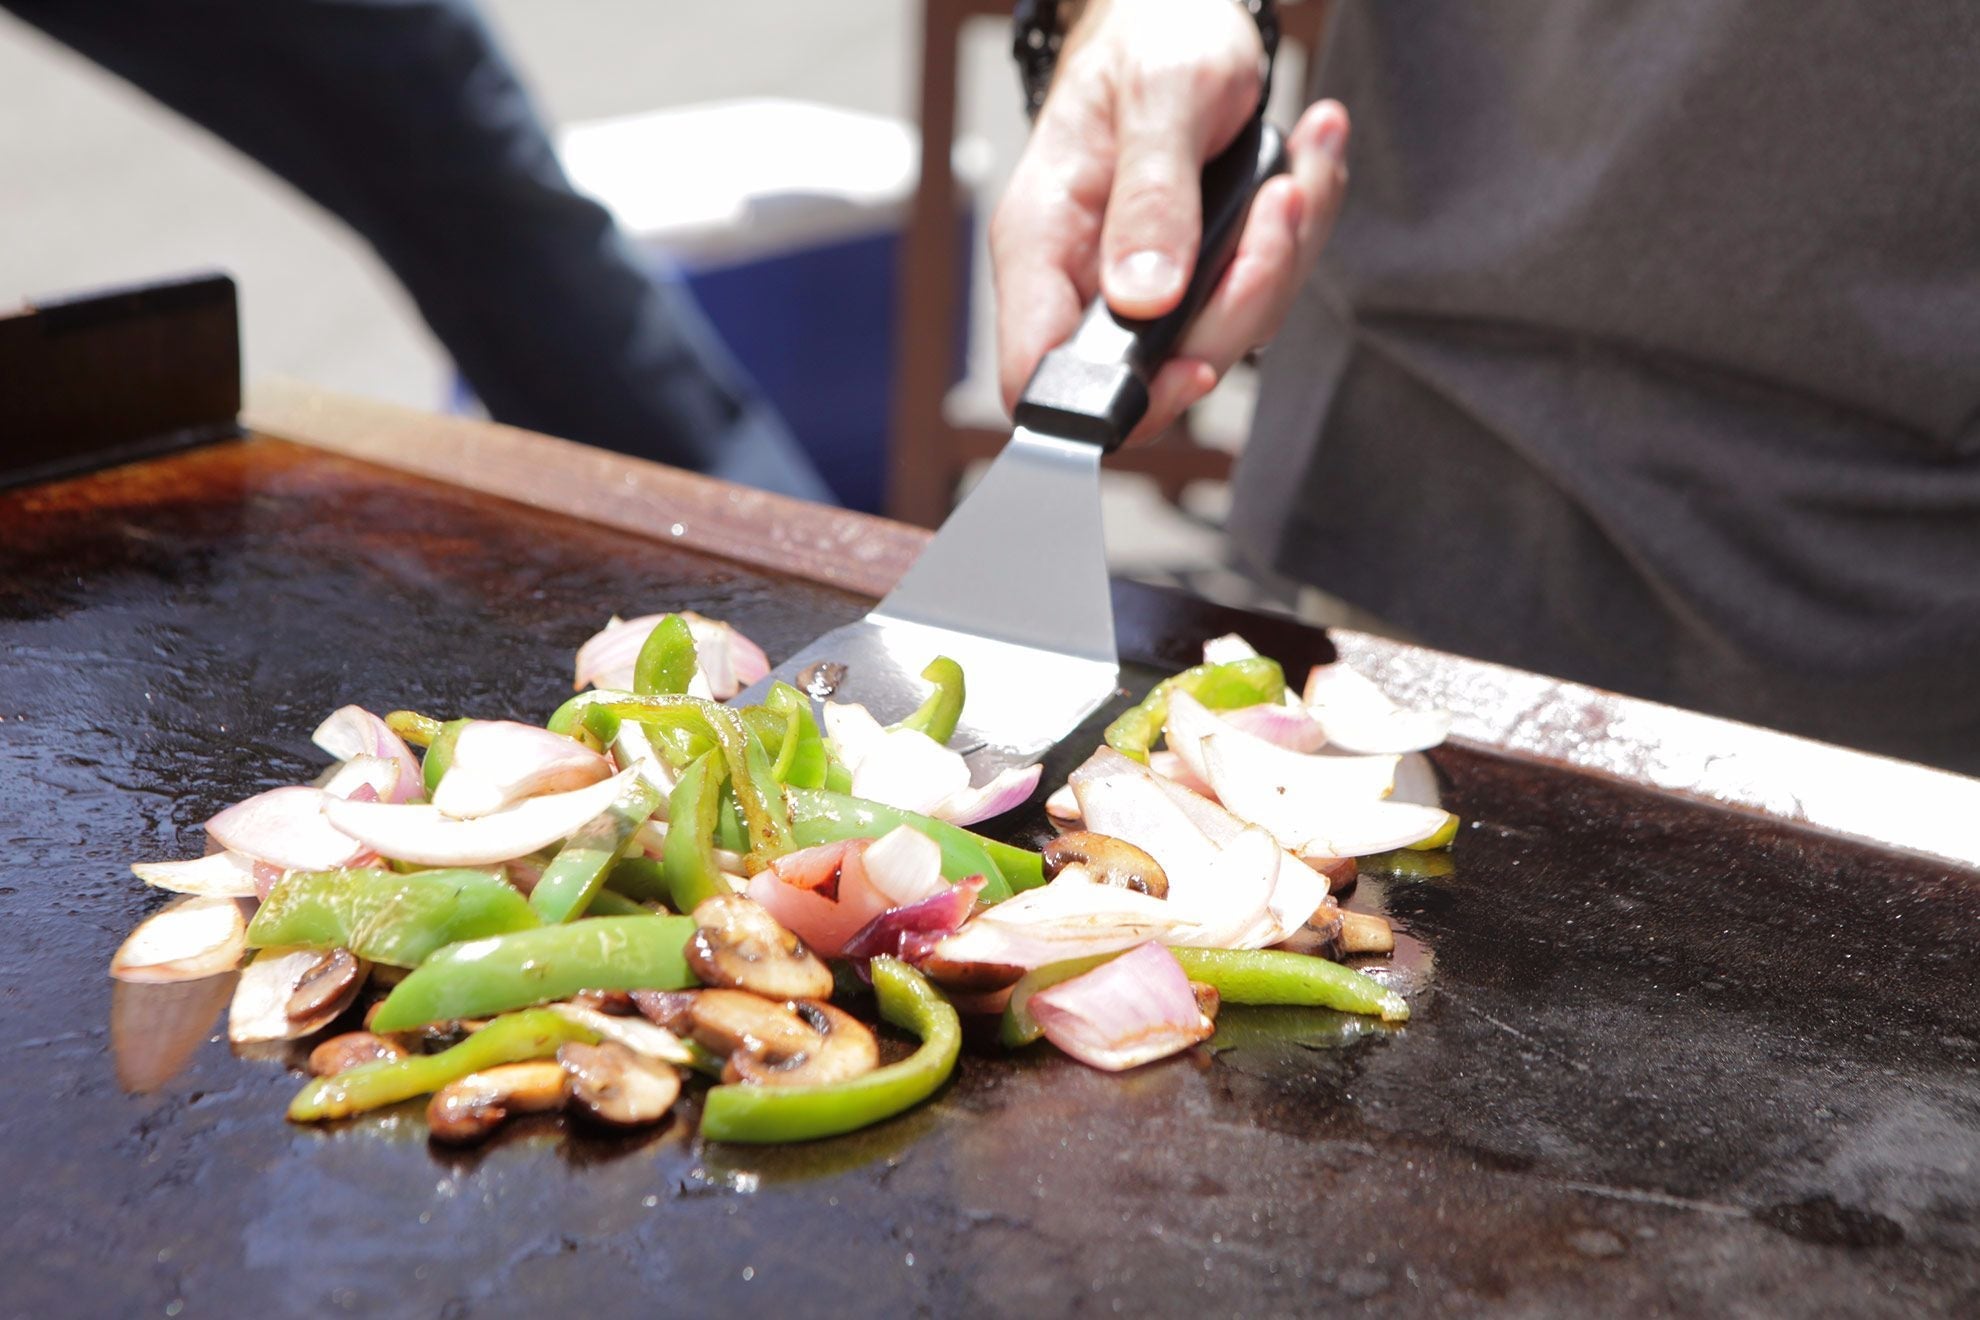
[[1106, 194]]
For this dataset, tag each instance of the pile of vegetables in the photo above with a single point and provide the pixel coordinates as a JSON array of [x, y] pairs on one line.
[[655, 885]]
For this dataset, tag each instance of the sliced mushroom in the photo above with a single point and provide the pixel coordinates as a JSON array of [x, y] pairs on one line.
[[1364, 932], [1111, 861], [613, 1085], [352, 1049], [974, 977], [469, 1109], [1208, 1001], [1325, 923], [738, 944], [735, 1021], [329, 984], [666, 1008], [618, 1003], [844, 1049]]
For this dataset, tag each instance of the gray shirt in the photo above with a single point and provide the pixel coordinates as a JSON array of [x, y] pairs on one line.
[[1647, 353]]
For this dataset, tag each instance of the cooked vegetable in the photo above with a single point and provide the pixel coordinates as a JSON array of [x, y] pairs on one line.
[[1249, 681], [758, 1114], [937, 715], [194, 937], [612, 1085], [532, 1035], [819, 816], [1108, 860], [688, 862], [351, 1050], [573, 880], [736, 943], [471, 1108], [483, 977], [1127, 1011], [384, 916], [666, 662]]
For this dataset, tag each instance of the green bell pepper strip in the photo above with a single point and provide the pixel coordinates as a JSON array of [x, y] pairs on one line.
[[570, 882], [821, 816], [385, 917], [762, 1114], [415, 729], [687, 860], [667, 661], [606, 903], [756, 789], [937, 715], [440, 754], [1240, 976], [642, 879], [480, 978], [803, 762], [532, 1035], [1252, 681]]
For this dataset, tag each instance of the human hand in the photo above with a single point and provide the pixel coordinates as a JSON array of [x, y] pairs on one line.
[[1106, 194]]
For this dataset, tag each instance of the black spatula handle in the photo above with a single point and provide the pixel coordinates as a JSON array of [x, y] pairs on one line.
[[1094, 386]]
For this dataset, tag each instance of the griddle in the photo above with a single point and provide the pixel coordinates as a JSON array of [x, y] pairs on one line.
[[1667, 1057]]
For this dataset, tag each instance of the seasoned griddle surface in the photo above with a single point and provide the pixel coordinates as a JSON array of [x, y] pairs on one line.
[[1664, 1057]]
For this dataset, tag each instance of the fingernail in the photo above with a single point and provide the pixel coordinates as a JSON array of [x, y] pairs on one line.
[[1331, 138], [1146, 275]]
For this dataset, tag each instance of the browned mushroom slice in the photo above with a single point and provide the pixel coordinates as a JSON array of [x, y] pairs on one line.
[[329, 984], [736, 1021], [618, 1003], [1364, 932], [353, 1048], [1325, 923], [1208, 1001], [613, 1085], [843, 1050], [469, 1109], [665, 1008], [970, 976], [738, 944], [1109, 860]]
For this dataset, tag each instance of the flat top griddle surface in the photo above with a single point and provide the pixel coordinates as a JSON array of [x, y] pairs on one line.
[[1664, 1057]]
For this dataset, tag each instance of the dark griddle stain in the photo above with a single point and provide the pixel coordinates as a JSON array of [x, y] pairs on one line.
[[1665, 1058]]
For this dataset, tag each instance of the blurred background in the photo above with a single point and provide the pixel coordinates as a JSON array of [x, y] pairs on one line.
[[772, 216]]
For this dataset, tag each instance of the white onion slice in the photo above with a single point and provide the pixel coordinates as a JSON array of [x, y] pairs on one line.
[[192, 938], [353, 731], [412, 832], [1071, 917], [1298, 889], [1128, 1011], [498, 763], [633, 749], [1063, 807], [1007, 791], [791, 891], [1359, 717], [728, 661], [365, 777], [647, 1039], [260, 1008], [1173, 768], [1300, 800], [1284, 726], [286, 827], [1229, 647], [1191, 724], [905, 866], [217, 875]]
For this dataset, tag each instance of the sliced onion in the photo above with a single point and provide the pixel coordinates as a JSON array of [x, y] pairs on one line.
[[498, 763], [905, 866], [287, 827], [1229, 647], [633, 749], [1007, 791], [1063, 806], [1069, 918], [260, 1009], [1191, 724], [1359, 717], [728, 661], [217, 875], [1128, 1011], [636, 1034], [911, 931], [1300, 884], [1173, 768], [413, 832], [1284, 726], [1302, 802], [353, 731], [194, 937], [364, 778], [811, 904]]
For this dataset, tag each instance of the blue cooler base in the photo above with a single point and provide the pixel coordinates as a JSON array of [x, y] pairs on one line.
[[815, 328]]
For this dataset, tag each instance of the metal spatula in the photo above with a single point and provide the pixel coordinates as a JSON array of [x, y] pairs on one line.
[[1014, 586]]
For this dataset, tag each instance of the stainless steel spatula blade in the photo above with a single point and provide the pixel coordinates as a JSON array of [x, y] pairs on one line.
[[1014, 587]]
